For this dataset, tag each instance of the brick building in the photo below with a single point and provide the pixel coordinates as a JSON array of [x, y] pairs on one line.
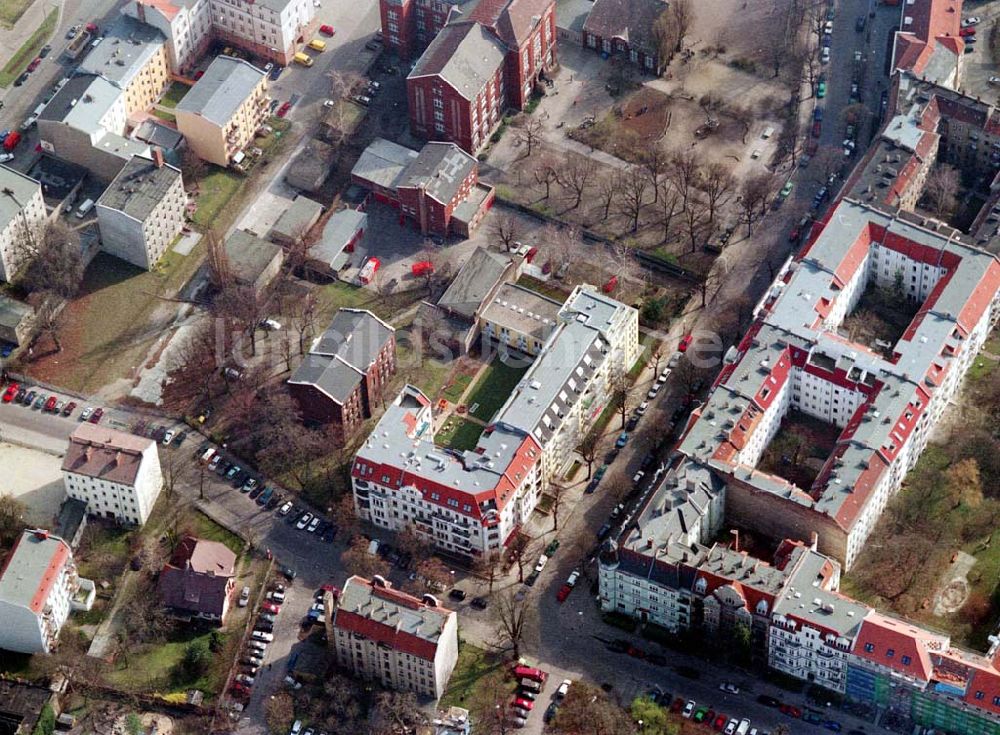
[[346, 371], [481, 62]]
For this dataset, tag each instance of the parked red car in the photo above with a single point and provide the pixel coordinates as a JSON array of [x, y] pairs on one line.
[[678, 705], [720, 723], [563, 593], [327, 30], [271, 608], [70, 408], [787, 709], [521, 703], [34, 63], [684, 343], [817, 127], [967, 32], [11, 391], [95, 417], [283, 110], [51, 403], [91, 27]]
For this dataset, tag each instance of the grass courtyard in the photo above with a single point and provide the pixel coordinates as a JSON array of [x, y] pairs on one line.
[[174, 94], [214, 192], [459, 433], [493, 389], [471, 680]]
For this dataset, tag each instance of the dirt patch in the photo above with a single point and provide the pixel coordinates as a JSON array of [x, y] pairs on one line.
[[646, 114]]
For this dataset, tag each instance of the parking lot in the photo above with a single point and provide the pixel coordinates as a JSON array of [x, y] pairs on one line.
[[978, 67]]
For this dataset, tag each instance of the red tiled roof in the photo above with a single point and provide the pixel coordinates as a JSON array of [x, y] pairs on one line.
[[396, 640], [898, 645]]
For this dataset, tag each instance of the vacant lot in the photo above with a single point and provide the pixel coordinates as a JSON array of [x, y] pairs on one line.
[[109, 327], [34, 478]]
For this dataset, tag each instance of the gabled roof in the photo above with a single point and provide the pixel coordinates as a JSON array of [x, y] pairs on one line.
[[340, 357], [513, 20], [898, 645], [629, 20], [463, 55], [439, 169], [198, 576]]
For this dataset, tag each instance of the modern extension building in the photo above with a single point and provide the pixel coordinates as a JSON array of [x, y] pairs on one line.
[[473, 502], [142, 210], [39, 586], [344, 376], [404, 642], [438, 189], [269, 29], [485, 59], [224, 109], [22, 217], [116, 474]]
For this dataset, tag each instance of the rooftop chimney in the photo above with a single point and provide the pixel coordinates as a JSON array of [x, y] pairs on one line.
[[158, 157]]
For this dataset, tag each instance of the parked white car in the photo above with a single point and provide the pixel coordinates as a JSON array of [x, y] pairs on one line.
[[244, 596], [542, 561]]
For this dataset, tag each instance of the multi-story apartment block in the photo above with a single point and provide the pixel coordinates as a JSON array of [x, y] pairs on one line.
[[22, 217], [571, 381], [269, 29], [928, 44], [344, 376], [472, 502], [224, 109], [39, 586], [133, 57], [468, 503], [116, 474], [485, 59], [437, 188], [404, 642], [142, 211], [86, 122]]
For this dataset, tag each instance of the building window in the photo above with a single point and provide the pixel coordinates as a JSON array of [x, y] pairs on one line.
[[979, 695], [890, 653], [869, 647]]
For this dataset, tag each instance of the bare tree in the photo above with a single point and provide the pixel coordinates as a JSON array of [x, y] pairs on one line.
[[941, 190], [655, 162], [717, 182], [575, 176], [668, 201], [522, 550], [505, 228], [588, 449], [621, 387], [487, 566], [513, 617], [744, 116], [557, 493], [754, 196], [632, 196], [545, 175], [695, 223], [357, 560], [607, 189], [682, 16], [342, 84], [528, 130], [665, 37], [563, 243], [683, 172], [12, 512]]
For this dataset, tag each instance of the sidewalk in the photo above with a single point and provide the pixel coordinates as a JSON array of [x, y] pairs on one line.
[[11, 39]]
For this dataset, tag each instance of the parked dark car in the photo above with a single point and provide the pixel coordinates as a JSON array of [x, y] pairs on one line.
[[457, 594], [480, 603], [604, 531], [768, 701]]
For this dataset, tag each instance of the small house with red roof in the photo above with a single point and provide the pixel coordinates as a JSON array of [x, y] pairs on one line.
[[404, 642], [39, 586]]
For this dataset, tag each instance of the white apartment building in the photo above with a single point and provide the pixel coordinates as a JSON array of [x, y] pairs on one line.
[[39, 586], [467, 503], [570, 383], [22, 216], [142, 210], [404, 642], [268, 28], [116, 474]]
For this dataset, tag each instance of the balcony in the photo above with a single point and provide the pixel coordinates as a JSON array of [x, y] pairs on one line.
[[83, 597]]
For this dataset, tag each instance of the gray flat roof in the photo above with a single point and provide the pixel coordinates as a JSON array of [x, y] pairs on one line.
[[139, 187], [249, 255], [13, 312], [382, 162], [299, 217], [32, 568], [127, 46], [82, 102], [473, 282], [523, 310], [225, 85], [337, 232], [21, 188]]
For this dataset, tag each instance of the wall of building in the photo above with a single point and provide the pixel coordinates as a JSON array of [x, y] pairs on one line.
[[77, 147], [122, 236], [204, 137], [22, 230]]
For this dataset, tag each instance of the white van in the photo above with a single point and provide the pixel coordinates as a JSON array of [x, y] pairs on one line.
[[84, 209], [744, 727], [768, 132]]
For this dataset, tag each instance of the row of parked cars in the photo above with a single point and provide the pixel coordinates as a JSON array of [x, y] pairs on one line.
[[530, 683], [721, 722], [32, 398], [262, 635]]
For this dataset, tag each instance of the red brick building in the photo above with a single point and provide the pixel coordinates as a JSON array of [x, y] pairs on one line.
[[438, 188], [624, 28], [345, 372], [484, 60]]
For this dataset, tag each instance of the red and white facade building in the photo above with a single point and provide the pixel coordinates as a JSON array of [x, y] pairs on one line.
[[404, 642], [479, 64], [39, 586]]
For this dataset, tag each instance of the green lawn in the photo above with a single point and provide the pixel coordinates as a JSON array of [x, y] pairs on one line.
[[174, 94], [214, 192], [168, 117], [153, 668], [457, 387], [493, 389], [204, 527], [459, 434], [473, 665], [30, 48], [546, 288]]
